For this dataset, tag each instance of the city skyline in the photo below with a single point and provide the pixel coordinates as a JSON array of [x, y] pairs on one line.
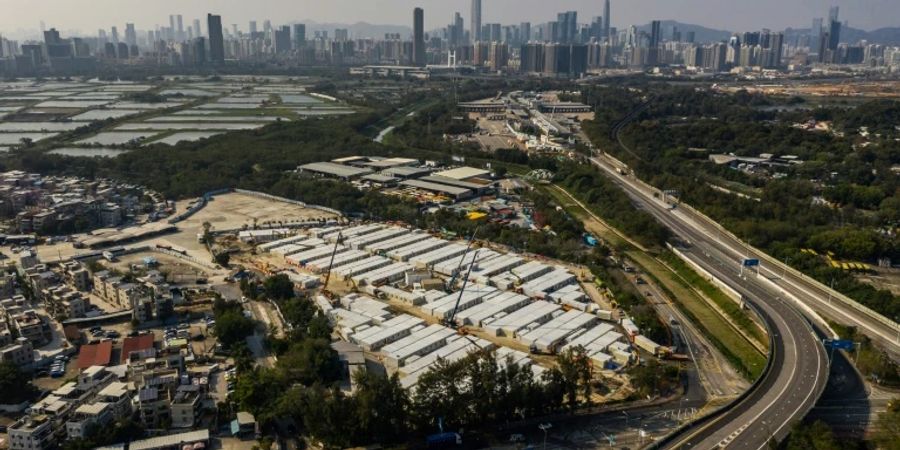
[[25, 19]]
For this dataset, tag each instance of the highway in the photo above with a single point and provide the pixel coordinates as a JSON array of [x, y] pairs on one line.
[[799, 364], [817, 300]]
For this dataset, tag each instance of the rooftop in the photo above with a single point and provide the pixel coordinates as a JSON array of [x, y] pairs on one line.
[[136, 344], [462, 173], [333, 169], [95, 355], [170, 440]]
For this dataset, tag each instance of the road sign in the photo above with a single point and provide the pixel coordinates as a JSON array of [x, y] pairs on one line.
[[840, 344], [750, 262]]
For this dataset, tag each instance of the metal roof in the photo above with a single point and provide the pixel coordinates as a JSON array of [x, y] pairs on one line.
[[462, 173], [338, 170], [442, 188], [170, 440]]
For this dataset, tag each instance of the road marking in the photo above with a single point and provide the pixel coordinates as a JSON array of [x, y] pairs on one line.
[[818, 369]]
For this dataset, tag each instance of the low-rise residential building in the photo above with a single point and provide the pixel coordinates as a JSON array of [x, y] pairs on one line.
[[86, 417], [77, 276], [20, 353], [30, 325], [186, 406], [31, 433]]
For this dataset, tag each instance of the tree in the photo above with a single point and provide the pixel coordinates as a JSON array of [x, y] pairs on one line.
[[15, 385], [888, 425], [382, 408], [279, 287], [815, 436], [310, 361], [232, 327], [575, 368]]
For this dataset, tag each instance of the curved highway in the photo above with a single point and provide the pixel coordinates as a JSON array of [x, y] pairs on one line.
[[816, 300], [799, 368]]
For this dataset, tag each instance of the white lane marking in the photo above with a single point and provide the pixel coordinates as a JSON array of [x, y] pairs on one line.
[[786, 385], [818, 369]]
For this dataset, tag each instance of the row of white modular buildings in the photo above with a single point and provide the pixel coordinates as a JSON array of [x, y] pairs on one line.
[[410, 346], [540, 305], [375, 255]]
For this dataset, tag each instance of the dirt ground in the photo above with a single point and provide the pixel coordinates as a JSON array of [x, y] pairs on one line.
[[884, 278], [234, 210], [179, 271]]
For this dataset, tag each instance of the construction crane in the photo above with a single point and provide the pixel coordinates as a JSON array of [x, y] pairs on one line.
[[337, 242], [463, 259], [450, 320]]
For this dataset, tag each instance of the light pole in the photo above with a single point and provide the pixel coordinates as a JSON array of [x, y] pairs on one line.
[[544, 427], [626, 418]]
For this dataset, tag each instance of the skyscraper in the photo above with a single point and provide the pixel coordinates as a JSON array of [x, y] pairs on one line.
[[525, 31], [815, 33], [197, 31], [475, 23], [179, 27], [655, 33], [253, 29], [606, 19], [283, 39], [419, 37], [130, 35], [456, 32], [299, 35], [216, 40], [655, 38], [567, 26], [833, 13]]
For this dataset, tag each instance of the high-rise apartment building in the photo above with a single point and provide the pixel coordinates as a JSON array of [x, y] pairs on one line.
[[216, 39], [419, 37]]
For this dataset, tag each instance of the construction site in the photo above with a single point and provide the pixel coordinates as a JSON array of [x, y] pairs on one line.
[[409, 299]]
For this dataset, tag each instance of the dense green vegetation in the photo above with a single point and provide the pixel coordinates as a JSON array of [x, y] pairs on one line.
[[871, 361], [611, 203], [887, 435], [231, 325], [817, 436], [668, 146], [15, 385]]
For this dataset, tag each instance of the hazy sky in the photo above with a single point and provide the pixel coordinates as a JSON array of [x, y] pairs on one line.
[[89, 15]]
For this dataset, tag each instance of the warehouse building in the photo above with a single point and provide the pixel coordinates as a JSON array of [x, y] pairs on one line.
[[332, 170], [456, 193]]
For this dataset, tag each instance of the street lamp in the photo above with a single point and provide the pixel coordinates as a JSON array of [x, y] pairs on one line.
[[544, 427]]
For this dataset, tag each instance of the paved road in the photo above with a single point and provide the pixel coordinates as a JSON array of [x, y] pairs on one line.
[[710, 376], [800, 366], [790, 283]]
